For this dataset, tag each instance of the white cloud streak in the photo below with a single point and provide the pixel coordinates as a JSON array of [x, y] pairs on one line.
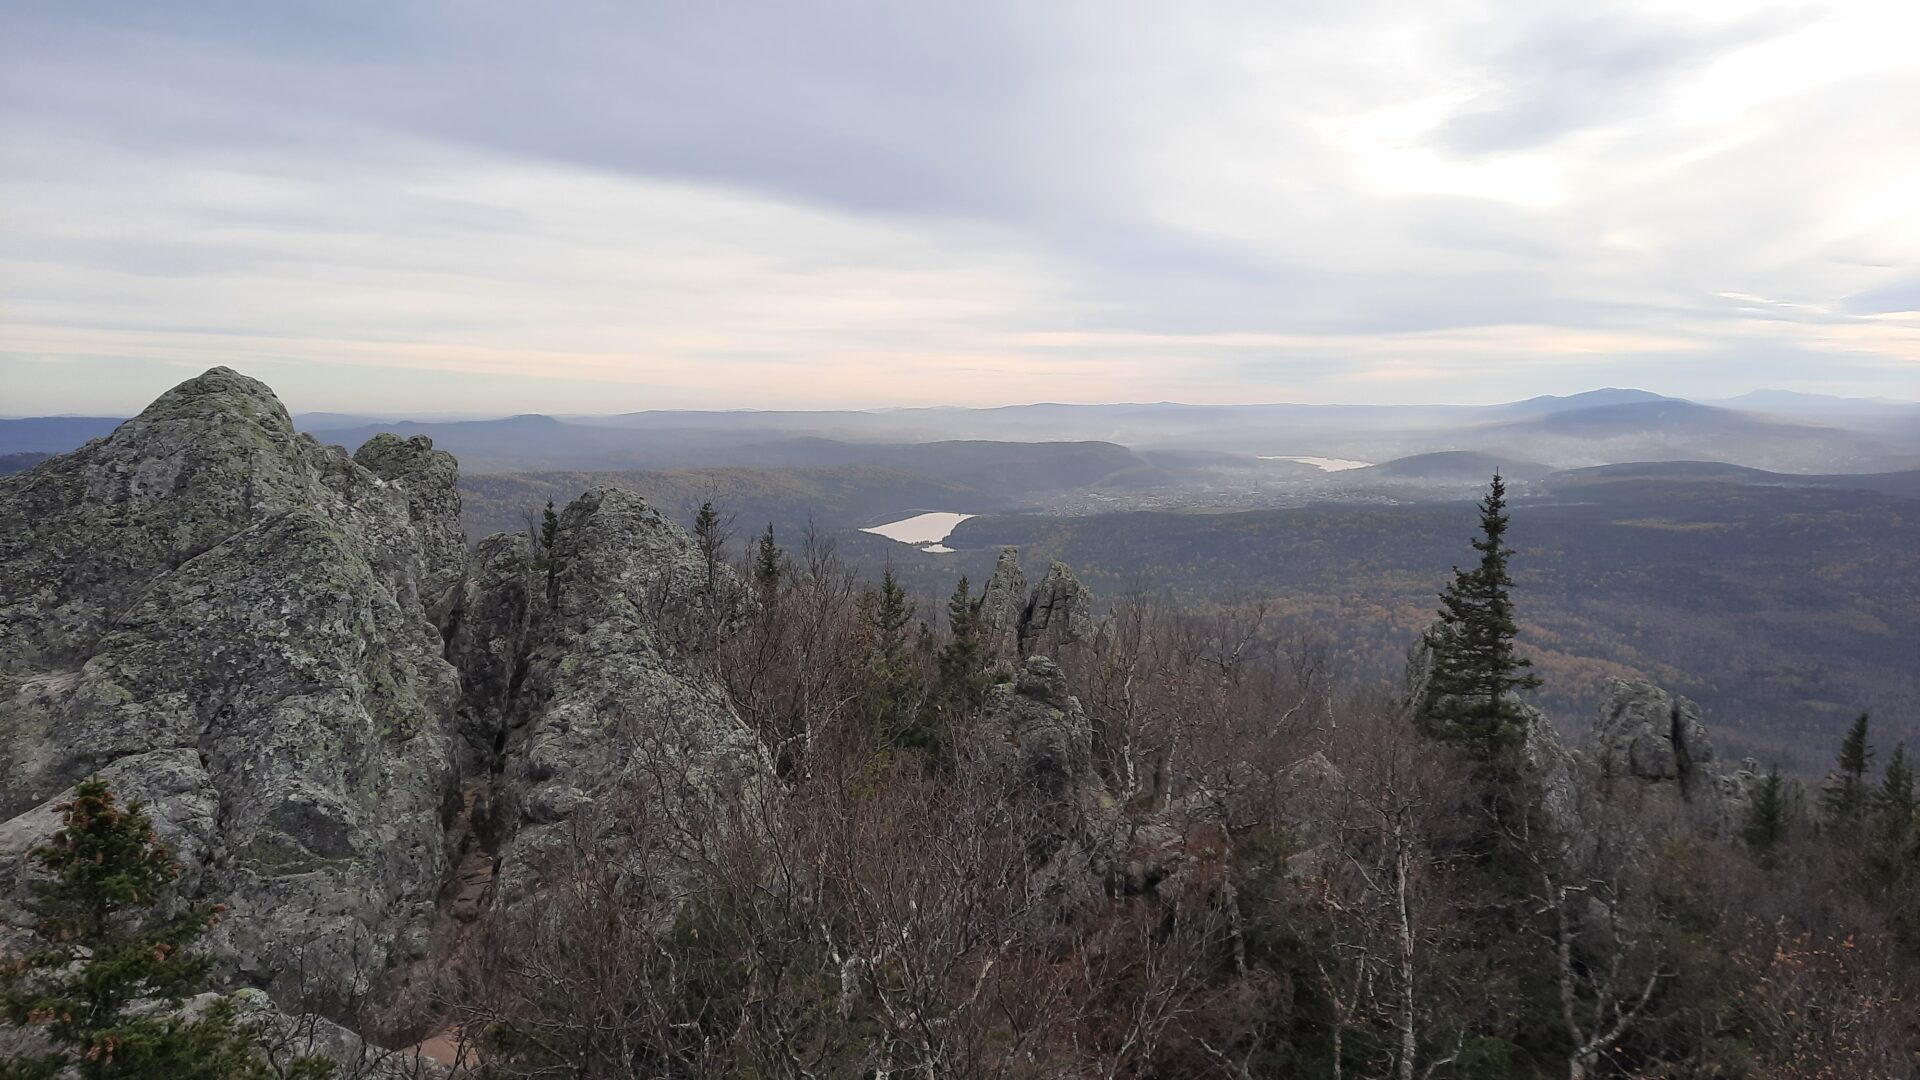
[[426, 206]]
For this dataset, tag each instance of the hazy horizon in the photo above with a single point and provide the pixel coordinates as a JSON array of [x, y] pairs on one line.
[[604, 208], [298, 407]]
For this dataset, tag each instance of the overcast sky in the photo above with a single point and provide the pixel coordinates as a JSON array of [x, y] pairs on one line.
[[569, 207]]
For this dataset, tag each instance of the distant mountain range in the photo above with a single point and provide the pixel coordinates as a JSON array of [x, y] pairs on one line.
[[53, 434], [1591, 399], [1450, 467], [1775, 430]]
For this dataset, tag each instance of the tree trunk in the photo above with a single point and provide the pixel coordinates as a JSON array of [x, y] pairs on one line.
[[1409, 1036]]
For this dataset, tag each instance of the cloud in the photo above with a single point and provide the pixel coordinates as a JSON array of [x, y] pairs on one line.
[[1897, 297], [1564, 75], [867, 203]]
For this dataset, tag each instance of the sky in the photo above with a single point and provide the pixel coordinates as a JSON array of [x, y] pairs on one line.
[[393, 206]]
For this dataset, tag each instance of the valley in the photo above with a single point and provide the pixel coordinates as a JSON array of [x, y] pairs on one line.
[[1784, 601]]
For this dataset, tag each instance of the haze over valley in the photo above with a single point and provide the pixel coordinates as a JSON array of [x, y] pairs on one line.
[[1658, 536], [991, 541]]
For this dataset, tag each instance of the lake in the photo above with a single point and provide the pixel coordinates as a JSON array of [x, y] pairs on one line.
[[923, 530], [1324, 464]]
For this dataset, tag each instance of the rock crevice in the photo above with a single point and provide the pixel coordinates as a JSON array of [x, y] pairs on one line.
[[358, 734]]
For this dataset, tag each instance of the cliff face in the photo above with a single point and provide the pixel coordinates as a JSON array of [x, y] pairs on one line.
[[574, 660], [344, 723], [1645, 732], [229, 620], [1017, 624]]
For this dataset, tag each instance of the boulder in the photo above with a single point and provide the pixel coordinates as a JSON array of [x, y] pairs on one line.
[[1002, 603], [1035, 745], [1059, 613], [1646, 733]]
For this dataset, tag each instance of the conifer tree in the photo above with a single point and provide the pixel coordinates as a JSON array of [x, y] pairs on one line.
[[1894, 854], [1476, 672], [886, 613], [1846, 797], [1895, 800], [962, 662], [891, 694], [708, 532], [544, 558], [766, 563], [1769, 814], [115, 961]]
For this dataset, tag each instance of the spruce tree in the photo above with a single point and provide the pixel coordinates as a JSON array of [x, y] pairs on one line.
[[544, 559], [1894, 853], [104, 992], [1895, 800], [963, 678], [707, 532], [1846, 797], [890, 688], [1769, 814], [766, 564], [1476, 672]]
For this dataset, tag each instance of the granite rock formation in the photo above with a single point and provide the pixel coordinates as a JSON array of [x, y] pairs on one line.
[[1002, 603], [231, 619], [355, 733], [1058, 614], [1646, 733]]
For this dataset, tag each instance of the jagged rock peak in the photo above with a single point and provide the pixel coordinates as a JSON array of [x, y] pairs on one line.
[[1035, 734], [1002, 603], [221, 391], [231, 619], [1647, 733], [1059, 613], [575, 659]]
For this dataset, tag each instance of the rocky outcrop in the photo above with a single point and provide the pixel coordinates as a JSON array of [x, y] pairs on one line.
[[599, 698], [1035, 734], [230, 619], [1002, 603], [427, 479], [1035, 743], [1736, 786], [355, 733], [1648, 734], [1058, 614]]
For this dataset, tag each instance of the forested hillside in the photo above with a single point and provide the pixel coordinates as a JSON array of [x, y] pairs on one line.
[[321, 787], [1783, 610]]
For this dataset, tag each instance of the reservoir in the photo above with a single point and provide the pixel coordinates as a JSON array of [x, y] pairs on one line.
[[1324, 464], [922, 530]]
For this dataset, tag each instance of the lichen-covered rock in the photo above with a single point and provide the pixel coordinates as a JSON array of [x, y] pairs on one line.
[[1002, 603], [1646, 733], [427, 478], [1034, 734], [604, 699], [1059, 613], [229, 616], [1035, 743], [1736, 786], [1554, 766], [355, 734], [489, 627], [179, 796]]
